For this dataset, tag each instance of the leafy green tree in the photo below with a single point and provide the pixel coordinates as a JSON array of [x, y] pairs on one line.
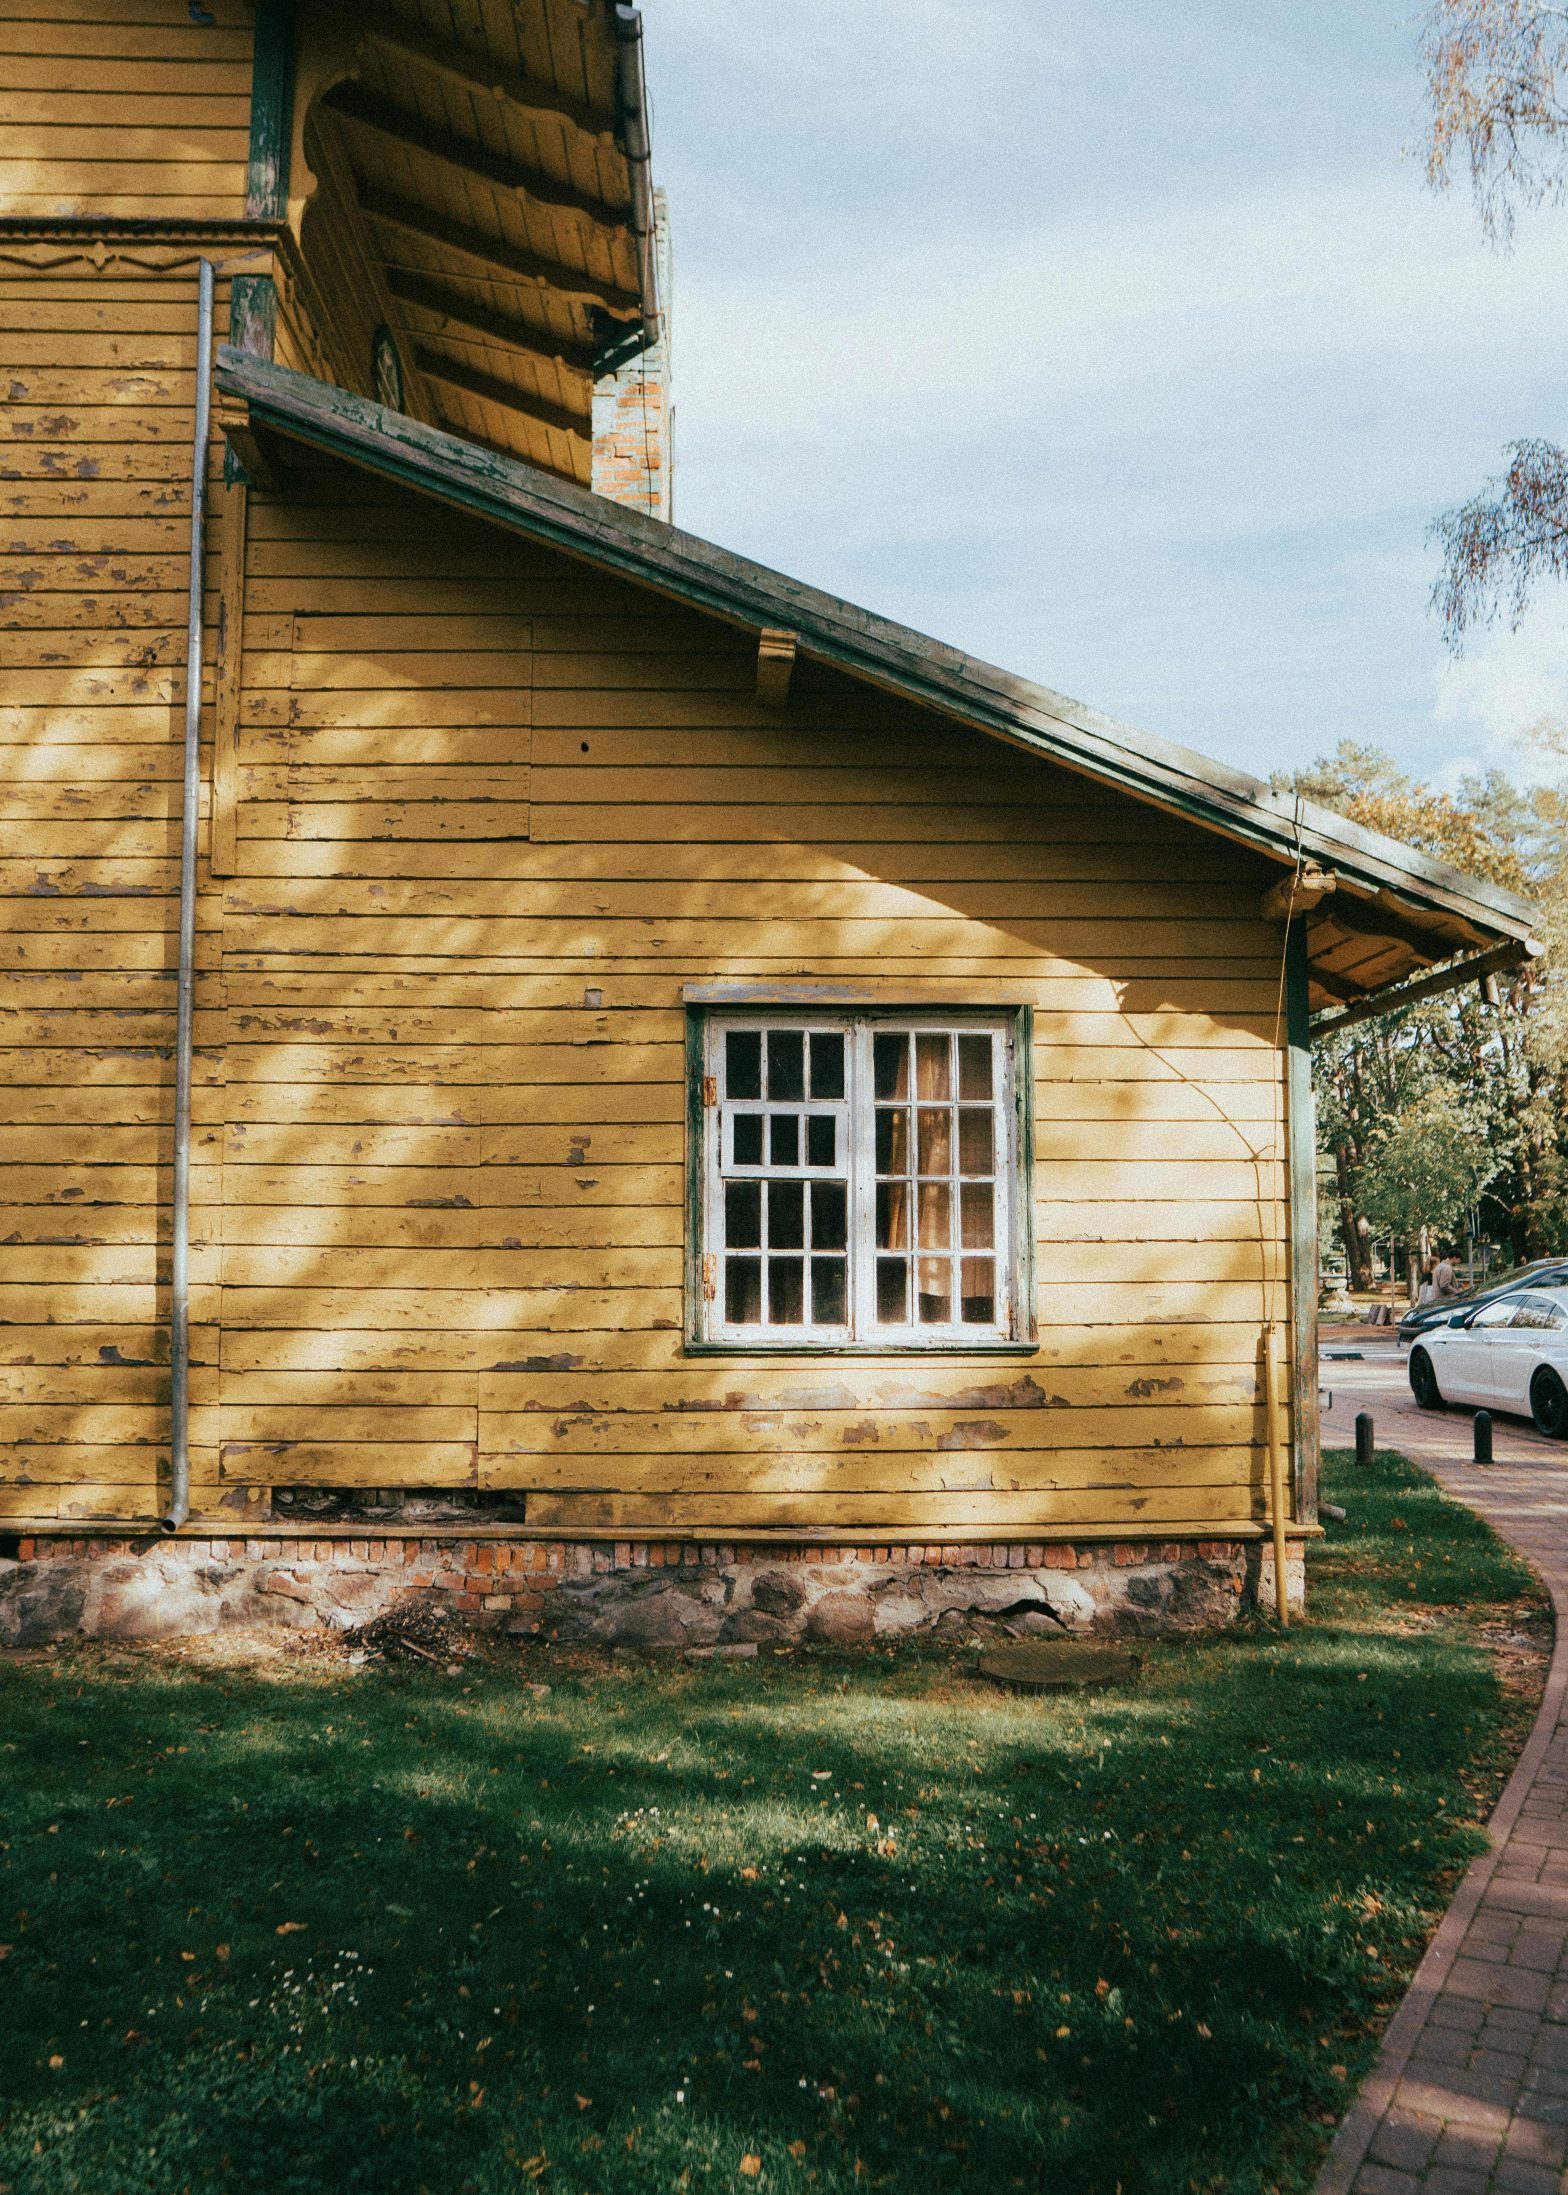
[[1500, 1054], [1425, 1168]]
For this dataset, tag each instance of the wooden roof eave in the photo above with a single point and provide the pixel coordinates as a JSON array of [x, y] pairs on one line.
[[1280, 827]]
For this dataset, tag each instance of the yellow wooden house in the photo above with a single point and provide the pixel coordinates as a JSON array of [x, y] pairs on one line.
[[560, 1061]]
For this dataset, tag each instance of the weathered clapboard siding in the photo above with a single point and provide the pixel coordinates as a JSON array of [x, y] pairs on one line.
[[488, 823], [125, 107], [94, 501]]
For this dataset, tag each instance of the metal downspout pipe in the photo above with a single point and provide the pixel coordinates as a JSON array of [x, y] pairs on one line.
[[635, 137], [185, 996]]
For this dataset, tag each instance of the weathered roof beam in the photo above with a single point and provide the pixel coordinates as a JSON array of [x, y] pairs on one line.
[[1343, 988], [479, 320], [450, 374], [1375, 919], [362, 110], [1395, 995], [477, 73], [494, 252]]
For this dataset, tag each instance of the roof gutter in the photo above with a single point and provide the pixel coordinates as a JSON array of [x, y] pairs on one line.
[[637, 143]]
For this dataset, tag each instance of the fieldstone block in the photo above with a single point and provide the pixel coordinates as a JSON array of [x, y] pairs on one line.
[[841, 1619], [778, 1592]]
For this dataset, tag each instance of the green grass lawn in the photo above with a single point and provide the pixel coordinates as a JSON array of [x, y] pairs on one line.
[[823, 1921]]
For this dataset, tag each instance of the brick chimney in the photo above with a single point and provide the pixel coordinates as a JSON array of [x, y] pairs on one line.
[[633, 418]]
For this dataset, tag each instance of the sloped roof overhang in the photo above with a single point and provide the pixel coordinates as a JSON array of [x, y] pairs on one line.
[[1377, 911]]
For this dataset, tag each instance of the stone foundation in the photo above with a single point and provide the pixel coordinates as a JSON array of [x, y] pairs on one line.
[[662, 1597]]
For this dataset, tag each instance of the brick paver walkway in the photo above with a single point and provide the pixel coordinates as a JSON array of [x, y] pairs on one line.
[[1469, 2095]]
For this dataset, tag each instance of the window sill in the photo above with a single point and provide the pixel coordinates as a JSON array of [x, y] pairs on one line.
[[861, 1348]]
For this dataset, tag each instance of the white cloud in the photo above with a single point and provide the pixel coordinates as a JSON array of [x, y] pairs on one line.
[[1500, 687], [1125, 349]]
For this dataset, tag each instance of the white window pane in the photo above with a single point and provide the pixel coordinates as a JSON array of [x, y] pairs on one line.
[[860, 1180]]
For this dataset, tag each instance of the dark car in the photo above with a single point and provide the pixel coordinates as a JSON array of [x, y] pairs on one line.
[[1544, 1273]]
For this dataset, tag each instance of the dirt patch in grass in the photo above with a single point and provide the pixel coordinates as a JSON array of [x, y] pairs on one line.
[[819, 1921]]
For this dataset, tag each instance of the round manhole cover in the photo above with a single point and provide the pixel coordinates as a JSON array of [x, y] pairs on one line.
[[1059, 1665]]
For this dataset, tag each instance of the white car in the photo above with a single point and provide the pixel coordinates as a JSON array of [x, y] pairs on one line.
[[1509, 1354]]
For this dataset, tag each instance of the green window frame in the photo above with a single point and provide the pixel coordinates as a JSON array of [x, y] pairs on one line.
[[859, 1179]]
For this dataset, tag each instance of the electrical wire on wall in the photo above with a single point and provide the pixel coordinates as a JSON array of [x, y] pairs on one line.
[[1264, 1156]]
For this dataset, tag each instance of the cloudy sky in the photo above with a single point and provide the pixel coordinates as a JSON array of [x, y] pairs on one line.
[[1122, 344]]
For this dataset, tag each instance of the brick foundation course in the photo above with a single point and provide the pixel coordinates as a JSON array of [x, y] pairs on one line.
[[657, 1595]]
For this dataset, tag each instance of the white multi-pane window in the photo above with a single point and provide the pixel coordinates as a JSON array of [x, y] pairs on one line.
[[859, 1181]]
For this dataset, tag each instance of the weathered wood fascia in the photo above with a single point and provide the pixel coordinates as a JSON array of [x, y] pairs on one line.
[[49, 228], [856, 641]]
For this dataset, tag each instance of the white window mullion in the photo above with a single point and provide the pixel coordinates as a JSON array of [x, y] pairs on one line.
[[789, 1161], [862, 1185]]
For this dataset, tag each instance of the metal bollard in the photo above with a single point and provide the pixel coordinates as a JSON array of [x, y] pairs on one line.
[[1363, 1436], [1483, 1436]]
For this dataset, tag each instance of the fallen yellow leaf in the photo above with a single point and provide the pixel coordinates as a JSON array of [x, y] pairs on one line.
[[750, 2165], [291, 1928]]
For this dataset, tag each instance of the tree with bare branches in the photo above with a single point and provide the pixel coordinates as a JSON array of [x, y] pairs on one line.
[[1497, 82]]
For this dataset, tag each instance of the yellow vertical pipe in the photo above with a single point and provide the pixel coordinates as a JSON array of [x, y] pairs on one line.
[[1271, 1391]]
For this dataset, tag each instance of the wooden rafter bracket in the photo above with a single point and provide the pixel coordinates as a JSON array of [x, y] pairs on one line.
[[460, 314], [1395, 995], [1385, 916], [1297, 894], [775, 665], [426, 226], [411, 134], [451, 373], [231, 416]]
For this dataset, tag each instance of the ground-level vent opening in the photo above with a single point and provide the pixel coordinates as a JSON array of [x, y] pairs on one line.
[[455, 1506]]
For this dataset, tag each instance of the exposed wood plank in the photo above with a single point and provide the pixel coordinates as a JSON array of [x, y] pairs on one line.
[[409, 218], [479, 73], [363, 111], [459, 312], [450, 373]]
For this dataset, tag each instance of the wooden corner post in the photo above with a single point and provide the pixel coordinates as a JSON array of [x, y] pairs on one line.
[[1302, 1149]]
